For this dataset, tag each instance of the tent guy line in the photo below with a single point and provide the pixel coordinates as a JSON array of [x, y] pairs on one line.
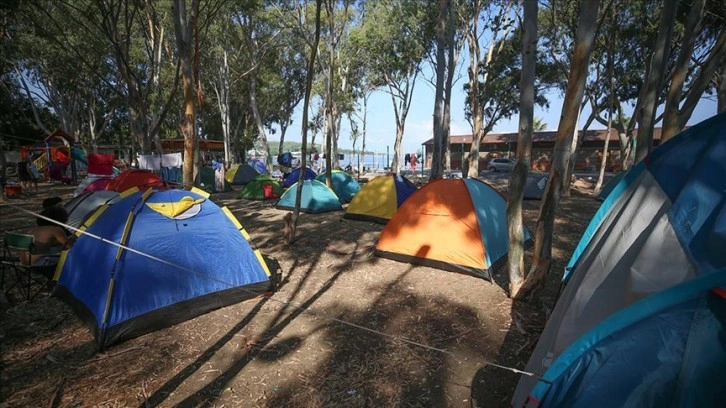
[[269, 297]]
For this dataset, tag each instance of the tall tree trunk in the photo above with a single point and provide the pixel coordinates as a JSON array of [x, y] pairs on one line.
[[306, 107], [222, 91], [611, 106], [518, 178], [576, 142], [440, 142], [330, 97], [258, 118], [184, 29], [363, 142], [561, 156], [671, 124], [477, 114], [716, 59], [448, 85], [654, 80]]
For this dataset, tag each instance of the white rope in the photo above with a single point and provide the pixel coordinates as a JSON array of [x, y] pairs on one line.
[[285, 303]]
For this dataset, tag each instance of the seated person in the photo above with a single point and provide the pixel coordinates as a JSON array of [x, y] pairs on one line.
[[52, 202], [49, 238]]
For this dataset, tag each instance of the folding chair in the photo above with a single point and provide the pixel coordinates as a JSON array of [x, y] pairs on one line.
[[25, 276]]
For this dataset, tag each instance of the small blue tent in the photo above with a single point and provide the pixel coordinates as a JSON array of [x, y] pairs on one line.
[[294, 176], [344, 186], [258, 165], [641, 321], [154, 259], [316, 198]]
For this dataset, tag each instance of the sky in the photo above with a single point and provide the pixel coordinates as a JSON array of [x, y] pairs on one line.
[[381, 126]]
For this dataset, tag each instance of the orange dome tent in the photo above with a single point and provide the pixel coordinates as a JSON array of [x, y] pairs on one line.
[[451, 224]]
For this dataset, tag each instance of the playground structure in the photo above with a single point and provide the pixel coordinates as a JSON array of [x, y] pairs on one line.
[[53, 159]]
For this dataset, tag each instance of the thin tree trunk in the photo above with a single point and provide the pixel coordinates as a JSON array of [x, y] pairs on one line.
[[553, 192], [448, 84], [671, 124], [306, 107], [518, 178], [475, 106], [184, 28], [440, 145], [715, 60], [654, 80], [258, 118], [604, 160], [363, 142]]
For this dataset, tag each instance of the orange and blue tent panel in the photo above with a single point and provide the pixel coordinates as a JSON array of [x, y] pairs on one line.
[[451, 224], [379, 198]]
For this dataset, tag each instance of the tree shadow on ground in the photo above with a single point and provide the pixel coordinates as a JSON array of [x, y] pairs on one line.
[[493, 386], [401, 365]]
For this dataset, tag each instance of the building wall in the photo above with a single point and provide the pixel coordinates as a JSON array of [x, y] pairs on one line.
[[586, 159]]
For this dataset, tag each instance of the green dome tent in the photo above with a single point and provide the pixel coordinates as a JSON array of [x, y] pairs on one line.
[[261, 187]]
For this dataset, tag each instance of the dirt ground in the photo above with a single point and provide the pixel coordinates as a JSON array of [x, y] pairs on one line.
[[431, 334]]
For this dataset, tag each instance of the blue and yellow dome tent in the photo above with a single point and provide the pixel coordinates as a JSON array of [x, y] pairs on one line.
[[316, 198], [642, 317], [154, 259], [344, 186], [379, 198]]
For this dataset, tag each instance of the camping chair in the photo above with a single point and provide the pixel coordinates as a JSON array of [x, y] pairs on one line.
[[25, 276]]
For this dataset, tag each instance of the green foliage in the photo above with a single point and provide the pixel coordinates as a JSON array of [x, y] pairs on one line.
[[393, 38], [500, 97]]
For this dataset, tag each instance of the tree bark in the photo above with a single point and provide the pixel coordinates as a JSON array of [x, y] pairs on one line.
[[715, 60], [184, 28], [258, 119], [654, 80], [561, 155], [671, 124], [306, 107], [440, 142], [518, 178]]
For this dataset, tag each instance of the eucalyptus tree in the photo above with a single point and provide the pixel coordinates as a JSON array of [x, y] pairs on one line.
[[191, 23], [493, 90], [634, 29], [396, 35], [654, 78], [335, 74], [542, 257], [258, 37], [364, 93], [292, 221], [701, 54], [498, 20], [137, 62], [53, 77], [219, 58], [446, 47], [518, 178]]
